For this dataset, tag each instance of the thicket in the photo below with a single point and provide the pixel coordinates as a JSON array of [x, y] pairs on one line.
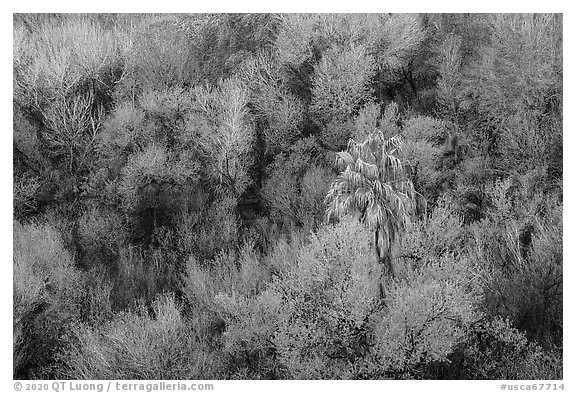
[[287, 196]]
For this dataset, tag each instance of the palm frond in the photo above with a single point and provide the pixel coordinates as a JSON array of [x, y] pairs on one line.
[[373, 183], [344, 158]]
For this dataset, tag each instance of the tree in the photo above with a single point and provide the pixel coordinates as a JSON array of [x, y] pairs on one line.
[[227, 136], [373, 184], [513, 93]]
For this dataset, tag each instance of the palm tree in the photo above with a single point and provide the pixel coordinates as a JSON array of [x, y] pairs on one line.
[[373, 184]]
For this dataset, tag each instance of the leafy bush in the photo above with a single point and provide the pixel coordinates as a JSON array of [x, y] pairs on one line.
[[157, 56], [216, 230], [137, 346], [315, 185], [506, 103], [293, 189], [249, 332], [438, 234], [428, 317], [142, 274], [422, 160], [125, 127], [47, 299], [326, 299], [227, 143], [495, 349], [425, 129], [24, 194], [228, 273], [279, 111], [171, 175], [341, 83], [100, 234], [58, 57], [518, 252], [451, 91], [366, 121], [64, 79]]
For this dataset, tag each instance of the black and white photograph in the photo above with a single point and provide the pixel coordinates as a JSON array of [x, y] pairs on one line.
[[287, 196]]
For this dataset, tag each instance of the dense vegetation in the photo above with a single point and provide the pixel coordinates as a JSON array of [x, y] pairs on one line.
[[287, 196]]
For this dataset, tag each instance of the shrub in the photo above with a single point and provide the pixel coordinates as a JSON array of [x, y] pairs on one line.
[[518, 252], [295, 37], [279, 112], [218, 229], [125, 127], [450, 91], [327, 298], [439, 234], [517, 113], [288, 192], [26, 144], [227, 291], [63, 79], [140, 169], [24, 194], [170, 174], [307, 323], [100, 234], [315, 185], [137, 346], [280, 193], [396, 41], [61, 55], [283, 253], [250, 328], [97, 303], [426, 319], [422, 160], [229, 273], [142, 273], [149, 158], [227, 141], [425, 129], [496, 350], [167, 108], [389, 124], [341, 83], [336, 134], [47, 298], [157, 56], [366, 122]]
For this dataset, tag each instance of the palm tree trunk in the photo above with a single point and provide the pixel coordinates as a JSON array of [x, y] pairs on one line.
[[384, 260], [383, 255], [377, 253]]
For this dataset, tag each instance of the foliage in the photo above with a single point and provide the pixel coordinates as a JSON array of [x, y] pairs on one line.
[[100, 234], [311, 318], [297, 182], [498, 350], [228, 146], [519, 255], [428, 318], [64, 81], [137, 346], [47, 298], [373, 185], [157, 56], [171, 176], [439, 234], [327, 298], [281, 112], [517, 85], [341, 83]]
